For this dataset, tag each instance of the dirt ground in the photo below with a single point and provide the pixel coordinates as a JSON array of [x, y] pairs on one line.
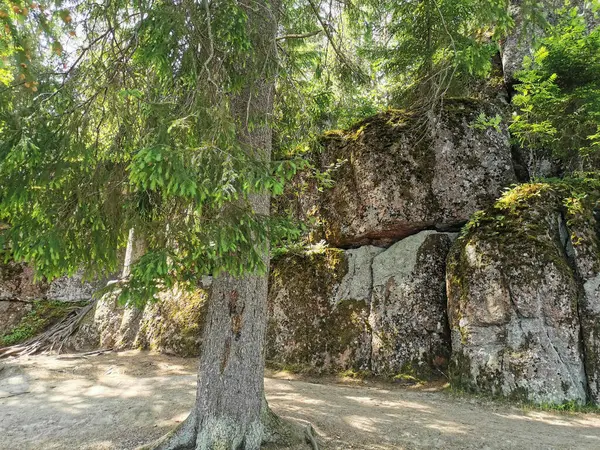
[[122, 400]]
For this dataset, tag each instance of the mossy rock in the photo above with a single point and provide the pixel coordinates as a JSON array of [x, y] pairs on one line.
[[516, 298], [408, 314], [307, 327], [42, 315], [395, 177], [174, 324]]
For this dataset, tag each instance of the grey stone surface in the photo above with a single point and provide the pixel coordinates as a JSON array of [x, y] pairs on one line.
[[17, 283], [18, 291], [73, 289], [366, 308], [408, 309], [520, 42], [395, 180], [357, 284], [516, 303], [318, 314], [172, 324], [515, 330]]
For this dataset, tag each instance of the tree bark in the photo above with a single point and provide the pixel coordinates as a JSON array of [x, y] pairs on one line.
[[130, 323], [231, 412]]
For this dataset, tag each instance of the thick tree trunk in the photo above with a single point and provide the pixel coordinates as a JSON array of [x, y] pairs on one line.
[[230, 382], [231, 412]]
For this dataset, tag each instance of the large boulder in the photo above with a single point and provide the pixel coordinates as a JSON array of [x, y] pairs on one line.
[[408, 318], [319, 309], [18, 282], [362, 309], [582, 234], [73, 289], [395, 178], [318, 305], [522, 291]]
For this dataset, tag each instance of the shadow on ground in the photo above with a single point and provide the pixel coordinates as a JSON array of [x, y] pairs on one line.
[[119, 401]]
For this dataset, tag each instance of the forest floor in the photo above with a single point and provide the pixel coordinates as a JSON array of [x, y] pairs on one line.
[[122, 400]]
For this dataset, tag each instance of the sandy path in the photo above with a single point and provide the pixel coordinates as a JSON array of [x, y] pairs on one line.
[[118, 401]]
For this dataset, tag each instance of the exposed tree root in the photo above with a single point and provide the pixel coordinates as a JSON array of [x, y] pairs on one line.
[[52, 339], [281, 433], [277, 434], [181, 438], [309, 433]]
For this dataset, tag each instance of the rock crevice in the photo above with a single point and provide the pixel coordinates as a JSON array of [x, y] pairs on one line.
[[392, 303]]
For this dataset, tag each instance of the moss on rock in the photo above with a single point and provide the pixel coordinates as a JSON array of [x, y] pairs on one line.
[[397, 178], [42, 315], [308, 329], [410, 333], [174, 324], [515, 293]]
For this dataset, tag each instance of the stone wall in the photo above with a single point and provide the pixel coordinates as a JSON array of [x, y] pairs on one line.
[[370, 309]]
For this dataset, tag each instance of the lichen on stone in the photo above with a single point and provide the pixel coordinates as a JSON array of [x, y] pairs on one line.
[[307, 327], [402, 176], [516, 300]]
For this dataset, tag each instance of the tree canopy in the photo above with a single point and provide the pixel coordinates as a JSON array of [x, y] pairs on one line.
[[557, 98], [117, 115]]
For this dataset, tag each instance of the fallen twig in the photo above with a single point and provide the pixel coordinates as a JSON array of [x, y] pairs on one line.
[[14, 395]]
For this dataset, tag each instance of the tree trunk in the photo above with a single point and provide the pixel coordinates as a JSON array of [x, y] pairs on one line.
[[130, 323], [230, 411]]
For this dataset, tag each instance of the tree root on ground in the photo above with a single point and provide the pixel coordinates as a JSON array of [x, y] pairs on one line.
[[278, 434], [53, 339], [309, 434]]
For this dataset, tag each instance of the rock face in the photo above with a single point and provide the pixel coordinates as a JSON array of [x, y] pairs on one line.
[[582, 233], [310, 324], [16, 283], [12, 312], [522, 290], [396, 181], [18, 290], [518, 44], [363, 309], [330, 311], [173, 325], [72, 289], [408, 309]]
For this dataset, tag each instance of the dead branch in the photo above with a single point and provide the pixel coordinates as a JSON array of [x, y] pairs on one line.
[[52, 339], [299, 36]]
